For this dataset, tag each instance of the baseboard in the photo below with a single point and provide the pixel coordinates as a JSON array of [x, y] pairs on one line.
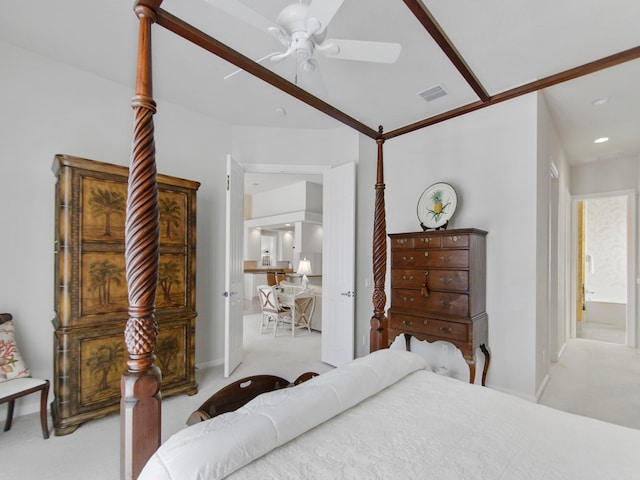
[[564, 346], [213, 363], [543, 385], [530, 398]]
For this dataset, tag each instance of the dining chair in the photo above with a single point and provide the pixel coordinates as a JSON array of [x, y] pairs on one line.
[[305, 305], [272, 311], [15, 379]]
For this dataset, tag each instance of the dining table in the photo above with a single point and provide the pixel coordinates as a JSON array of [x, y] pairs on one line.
[[301, 300]]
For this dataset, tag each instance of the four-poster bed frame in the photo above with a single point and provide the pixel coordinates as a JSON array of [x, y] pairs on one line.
[[140, 385]]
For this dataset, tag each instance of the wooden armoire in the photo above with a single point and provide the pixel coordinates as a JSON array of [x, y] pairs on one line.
[[90, 298]]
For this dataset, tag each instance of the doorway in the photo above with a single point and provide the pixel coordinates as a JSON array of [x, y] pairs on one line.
[[604, 241], [283, 225], [343, 277]]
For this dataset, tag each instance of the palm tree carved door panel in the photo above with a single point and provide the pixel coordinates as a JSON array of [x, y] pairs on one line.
[[90, 298]]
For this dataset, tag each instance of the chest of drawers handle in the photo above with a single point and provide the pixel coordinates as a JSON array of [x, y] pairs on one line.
[[402, 241], [446, 280], [445, 303], [425, 240], [408, 259], [407, 299], [425, 322], [426, 254], [424, 291], [406, 323], [445, 329], [445, 259], [410, 277]]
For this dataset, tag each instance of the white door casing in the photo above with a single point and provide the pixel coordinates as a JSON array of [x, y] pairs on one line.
[[234, 274], [338, 264]]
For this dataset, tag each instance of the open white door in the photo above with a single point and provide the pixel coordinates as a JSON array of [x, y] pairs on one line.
[[234, 277], [338, 264]]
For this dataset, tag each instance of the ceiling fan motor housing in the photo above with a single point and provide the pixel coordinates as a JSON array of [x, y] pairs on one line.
[[292, 18]]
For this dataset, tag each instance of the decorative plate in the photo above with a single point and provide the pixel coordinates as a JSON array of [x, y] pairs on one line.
[[436, 205]]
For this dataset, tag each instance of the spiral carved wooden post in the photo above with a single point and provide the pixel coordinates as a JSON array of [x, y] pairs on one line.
[[140, 386], [378, 336]]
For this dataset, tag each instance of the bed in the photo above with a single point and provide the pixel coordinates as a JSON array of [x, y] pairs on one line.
[[453, 430], [386, 415]]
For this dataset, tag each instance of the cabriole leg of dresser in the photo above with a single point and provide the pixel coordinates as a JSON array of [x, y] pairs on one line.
[[487, 360], [472, 371]]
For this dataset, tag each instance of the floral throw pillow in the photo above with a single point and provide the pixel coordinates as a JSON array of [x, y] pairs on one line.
[[11, 363]]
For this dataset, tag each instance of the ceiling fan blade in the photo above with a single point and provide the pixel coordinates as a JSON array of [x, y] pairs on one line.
[[364, 51], [323, 11], [309, 78], [275, 57], [244, 13]]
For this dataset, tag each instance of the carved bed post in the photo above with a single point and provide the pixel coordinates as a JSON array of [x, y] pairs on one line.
[[378, 336], [140, 386]]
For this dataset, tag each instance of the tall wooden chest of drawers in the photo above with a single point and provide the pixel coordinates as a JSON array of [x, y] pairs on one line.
[[438, 290], [90, 298]]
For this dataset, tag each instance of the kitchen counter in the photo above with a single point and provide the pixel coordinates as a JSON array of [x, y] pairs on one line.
[[265, 270], [253, 277]]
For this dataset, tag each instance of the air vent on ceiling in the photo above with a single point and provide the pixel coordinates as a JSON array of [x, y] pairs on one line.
[[432, 93]]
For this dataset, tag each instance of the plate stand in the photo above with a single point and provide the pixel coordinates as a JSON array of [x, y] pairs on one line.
[[441, 227]]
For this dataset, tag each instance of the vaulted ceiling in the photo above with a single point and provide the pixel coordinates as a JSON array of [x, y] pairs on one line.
[[483, 52]]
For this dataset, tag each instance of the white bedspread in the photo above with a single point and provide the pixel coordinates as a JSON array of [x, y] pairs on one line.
[[429, 427]]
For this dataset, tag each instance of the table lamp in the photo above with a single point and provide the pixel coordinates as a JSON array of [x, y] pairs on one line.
[[304, 269]]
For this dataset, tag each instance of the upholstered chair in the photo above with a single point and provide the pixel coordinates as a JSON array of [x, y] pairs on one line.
[[15, 379]]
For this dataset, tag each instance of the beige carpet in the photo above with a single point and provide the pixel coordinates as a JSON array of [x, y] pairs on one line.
[[93, 451], [596, 379], [593, 378]]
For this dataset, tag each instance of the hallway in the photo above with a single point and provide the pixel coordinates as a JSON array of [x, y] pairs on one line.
[[602, 332], [596, 379]]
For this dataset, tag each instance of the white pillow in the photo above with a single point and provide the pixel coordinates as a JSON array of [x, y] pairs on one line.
[[11, 363], [217, 447]]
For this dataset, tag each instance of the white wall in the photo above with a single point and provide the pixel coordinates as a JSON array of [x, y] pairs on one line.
[[543, 256], [301, 196], [606, 247], [550, 299], [557, 202], [490, 157], [285, 146], [606, 176], [291, 198], [50, 108], [310, 247]]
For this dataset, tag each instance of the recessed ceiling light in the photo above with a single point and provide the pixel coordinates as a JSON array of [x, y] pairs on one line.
[[281, 112], [600, 101], [601, 140]]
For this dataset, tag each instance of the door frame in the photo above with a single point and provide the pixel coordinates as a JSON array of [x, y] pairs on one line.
[[632, 255], [302, 169]]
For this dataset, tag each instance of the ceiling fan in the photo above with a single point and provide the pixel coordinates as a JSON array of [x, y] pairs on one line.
[[301, 29]]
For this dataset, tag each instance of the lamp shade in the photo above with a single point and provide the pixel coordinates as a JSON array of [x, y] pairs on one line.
[[304, 267]]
